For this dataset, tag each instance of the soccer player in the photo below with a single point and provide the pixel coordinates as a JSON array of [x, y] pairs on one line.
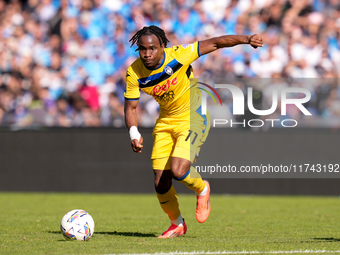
[[181, 129]]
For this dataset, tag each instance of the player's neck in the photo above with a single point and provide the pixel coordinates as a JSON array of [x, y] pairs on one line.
[[160, 63]]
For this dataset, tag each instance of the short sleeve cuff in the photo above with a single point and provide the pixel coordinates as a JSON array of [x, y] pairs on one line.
[[198, 49], [131, 99]]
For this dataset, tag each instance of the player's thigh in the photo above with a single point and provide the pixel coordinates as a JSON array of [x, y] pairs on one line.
[[162, 148], [191, 136], [200, 125], [163, 139], [161, 163]]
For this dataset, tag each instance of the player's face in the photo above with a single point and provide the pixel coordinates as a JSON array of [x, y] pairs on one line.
[[150, 51]]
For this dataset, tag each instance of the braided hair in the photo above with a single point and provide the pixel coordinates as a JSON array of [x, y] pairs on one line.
[[149, 31]]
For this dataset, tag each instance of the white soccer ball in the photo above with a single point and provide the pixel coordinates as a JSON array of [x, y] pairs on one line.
[[77, 225]]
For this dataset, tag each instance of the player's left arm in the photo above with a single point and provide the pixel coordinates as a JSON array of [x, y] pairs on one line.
[[223, 41]]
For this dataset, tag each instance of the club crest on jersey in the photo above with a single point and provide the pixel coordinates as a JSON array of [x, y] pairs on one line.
[[168, 70]]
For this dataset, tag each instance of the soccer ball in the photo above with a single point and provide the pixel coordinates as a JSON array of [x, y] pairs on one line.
[[77, 225]]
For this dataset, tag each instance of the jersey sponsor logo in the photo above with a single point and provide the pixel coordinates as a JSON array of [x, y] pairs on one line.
[[158, 90], [168, 70], [167, 96]]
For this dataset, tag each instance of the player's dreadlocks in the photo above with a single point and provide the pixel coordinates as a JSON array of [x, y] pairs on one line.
[[149, 31]]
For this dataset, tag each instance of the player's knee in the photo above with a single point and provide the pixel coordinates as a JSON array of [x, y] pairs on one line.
[[162, 187], [163, 181], [179, 167], [178, 173]]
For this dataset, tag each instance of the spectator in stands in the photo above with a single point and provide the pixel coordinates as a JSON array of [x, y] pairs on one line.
[[48, 48]]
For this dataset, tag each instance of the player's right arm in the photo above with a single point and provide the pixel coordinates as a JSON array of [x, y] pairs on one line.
[[132, 95], [131, 121]]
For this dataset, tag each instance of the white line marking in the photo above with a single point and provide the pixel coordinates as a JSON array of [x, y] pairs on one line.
[[232, 252]]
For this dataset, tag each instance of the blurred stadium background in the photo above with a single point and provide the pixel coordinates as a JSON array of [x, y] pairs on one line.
[[63, 64]]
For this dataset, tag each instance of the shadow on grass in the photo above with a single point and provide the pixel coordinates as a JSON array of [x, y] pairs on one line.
[[327, 239], [54, 232], [138, 234], [132, 234], [316, 240]]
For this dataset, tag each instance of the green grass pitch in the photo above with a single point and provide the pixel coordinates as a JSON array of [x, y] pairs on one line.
[[130, 223]]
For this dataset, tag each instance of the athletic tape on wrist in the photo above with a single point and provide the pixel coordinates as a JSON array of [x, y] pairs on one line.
[[134, 133]]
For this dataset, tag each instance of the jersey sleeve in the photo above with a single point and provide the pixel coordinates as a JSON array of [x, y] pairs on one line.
[[187, 53], [132, 91]]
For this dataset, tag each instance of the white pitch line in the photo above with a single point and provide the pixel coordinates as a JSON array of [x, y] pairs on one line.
[[232, 252]]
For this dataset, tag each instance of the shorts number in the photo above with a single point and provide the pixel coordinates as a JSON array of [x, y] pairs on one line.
[[190, 132]]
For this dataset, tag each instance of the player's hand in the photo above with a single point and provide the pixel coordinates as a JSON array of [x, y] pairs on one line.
[[136, 145], [255, 41]]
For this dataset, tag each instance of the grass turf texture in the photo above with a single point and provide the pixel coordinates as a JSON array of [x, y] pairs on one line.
[[130, 223]]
